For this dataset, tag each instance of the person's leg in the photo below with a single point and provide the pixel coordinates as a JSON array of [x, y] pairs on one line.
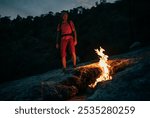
[[63, 59], [63, 52], [74, 59], [72, 51]]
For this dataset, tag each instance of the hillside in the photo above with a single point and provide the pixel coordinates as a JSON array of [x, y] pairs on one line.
[[131, 82], [28, 44]]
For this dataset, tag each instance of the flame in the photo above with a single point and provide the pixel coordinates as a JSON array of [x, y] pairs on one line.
[[103, 63]]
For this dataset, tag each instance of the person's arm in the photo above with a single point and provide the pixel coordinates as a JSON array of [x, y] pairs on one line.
[[75, 33], [75, 37], [58, 36]]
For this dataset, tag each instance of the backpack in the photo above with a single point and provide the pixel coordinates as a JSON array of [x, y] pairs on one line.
[[71, 34]]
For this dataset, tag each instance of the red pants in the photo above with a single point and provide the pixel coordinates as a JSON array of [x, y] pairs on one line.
[[64, 43]]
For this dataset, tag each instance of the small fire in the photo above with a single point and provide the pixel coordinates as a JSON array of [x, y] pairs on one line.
[[103, 63]]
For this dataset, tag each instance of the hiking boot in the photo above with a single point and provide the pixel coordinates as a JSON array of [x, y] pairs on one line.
[[74, 67], [64, 70]]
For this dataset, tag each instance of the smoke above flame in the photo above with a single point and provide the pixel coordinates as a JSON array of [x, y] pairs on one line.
[[104, 66]]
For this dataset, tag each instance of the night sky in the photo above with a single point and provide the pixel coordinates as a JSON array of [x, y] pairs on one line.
[[37, 7]]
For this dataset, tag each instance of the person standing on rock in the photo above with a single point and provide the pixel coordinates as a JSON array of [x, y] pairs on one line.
[[66, 36]]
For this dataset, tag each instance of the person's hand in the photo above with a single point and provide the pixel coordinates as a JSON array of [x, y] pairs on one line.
[[75, 42], [57, 45]]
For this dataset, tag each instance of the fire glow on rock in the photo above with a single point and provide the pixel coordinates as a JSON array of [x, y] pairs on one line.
[[103, 63]]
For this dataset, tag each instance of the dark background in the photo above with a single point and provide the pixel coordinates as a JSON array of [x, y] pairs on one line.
[[27, 45]]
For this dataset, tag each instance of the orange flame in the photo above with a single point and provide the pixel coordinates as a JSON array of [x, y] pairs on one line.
[[103, 63]]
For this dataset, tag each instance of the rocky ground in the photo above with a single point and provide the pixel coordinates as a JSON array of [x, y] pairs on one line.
[[130, 82]]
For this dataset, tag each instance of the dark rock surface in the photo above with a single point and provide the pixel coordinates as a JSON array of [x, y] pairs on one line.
[[130, 81]]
